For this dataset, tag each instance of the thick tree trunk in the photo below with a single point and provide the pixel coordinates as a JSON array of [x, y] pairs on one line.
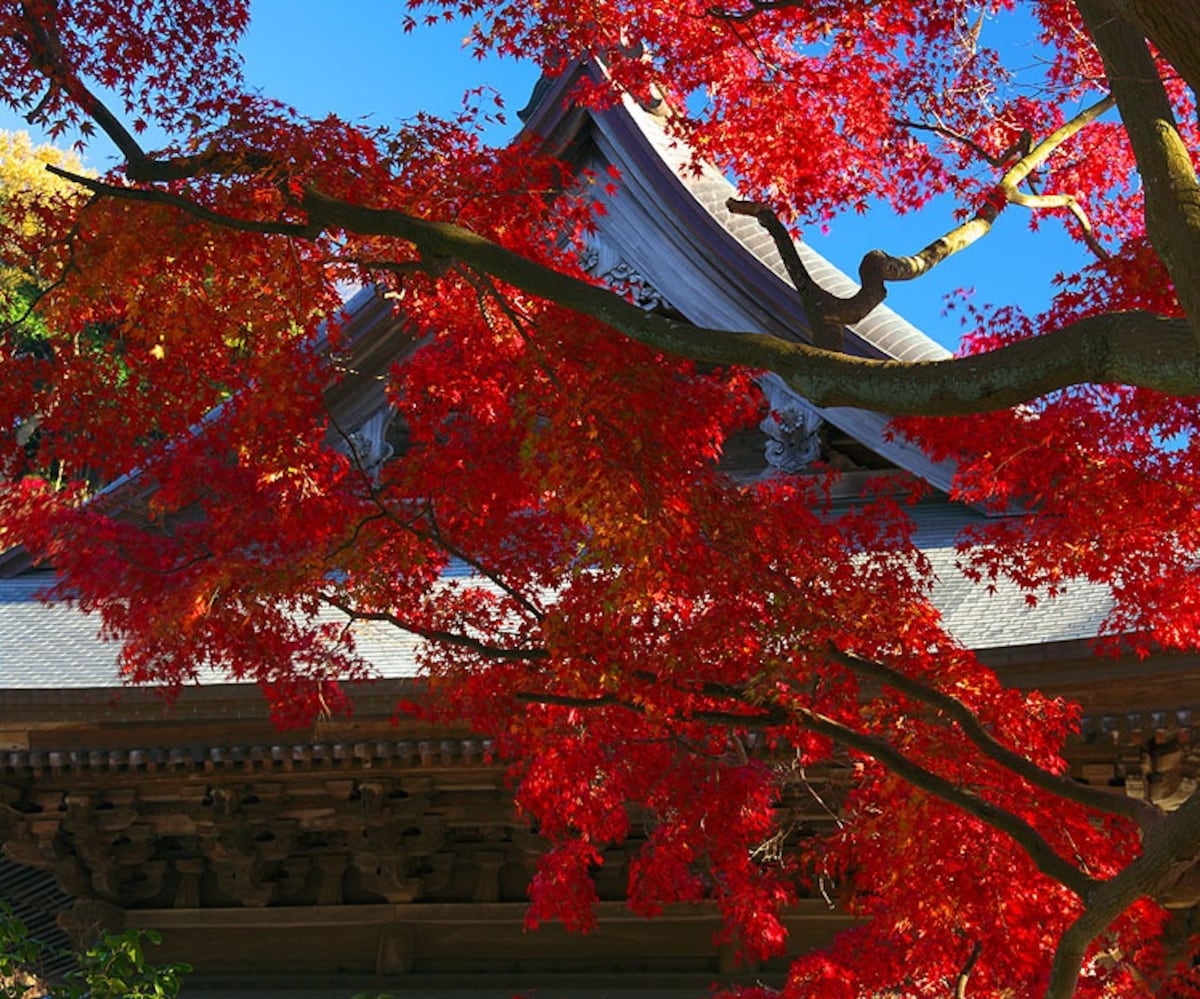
[[1173, 26], [1171, 188]]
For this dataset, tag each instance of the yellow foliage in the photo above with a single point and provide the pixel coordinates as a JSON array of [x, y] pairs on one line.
[[25, 183], [23, 172]]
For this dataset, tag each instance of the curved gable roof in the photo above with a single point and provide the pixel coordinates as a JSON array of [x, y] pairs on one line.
[[668, 224]]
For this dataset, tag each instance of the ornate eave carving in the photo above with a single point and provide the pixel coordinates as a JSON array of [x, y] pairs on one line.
[[368, 444], [301, 838], [405, 822], [793, 428], [603, 262]]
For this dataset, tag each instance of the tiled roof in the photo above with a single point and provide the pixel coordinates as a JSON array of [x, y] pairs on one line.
[[1001, 618], [56, 646], [47, 646]]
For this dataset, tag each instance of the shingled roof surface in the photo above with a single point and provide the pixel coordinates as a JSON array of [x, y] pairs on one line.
[[55, 645], [1001, 618], [49, 645]]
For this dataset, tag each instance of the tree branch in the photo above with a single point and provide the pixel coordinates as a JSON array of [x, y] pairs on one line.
[[1172, 192], [1167, 850], [1044, 857], [960, 983], [1069, 202], [434, 533], [762, 716], [439, 538], [1145, 815], [826, 312], [1136, 348], [752, 9], [1021, 146], [1019, 172], [156, 196], [568, 701], [434, 634]]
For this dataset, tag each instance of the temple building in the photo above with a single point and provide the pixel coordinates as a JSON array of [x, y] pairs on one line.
[[362, 856]]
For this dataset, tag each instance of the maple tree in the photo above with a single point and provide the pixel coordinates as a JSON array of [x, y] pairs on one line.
[[640, 631]]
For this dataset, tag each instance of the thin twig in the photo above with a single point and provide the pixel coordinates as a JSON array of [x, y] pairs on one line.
[[1020, 146], [960, 983]]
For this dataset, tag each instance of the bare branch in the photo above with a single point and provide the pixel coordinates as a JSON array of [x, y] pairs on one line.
[[960, 983], [1071, 203], [826, 312], [1035, 157], [1020, 171]]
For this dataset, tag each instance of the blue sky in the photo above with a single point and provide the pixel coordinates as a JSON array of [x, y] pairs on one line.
[[352, 58]]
